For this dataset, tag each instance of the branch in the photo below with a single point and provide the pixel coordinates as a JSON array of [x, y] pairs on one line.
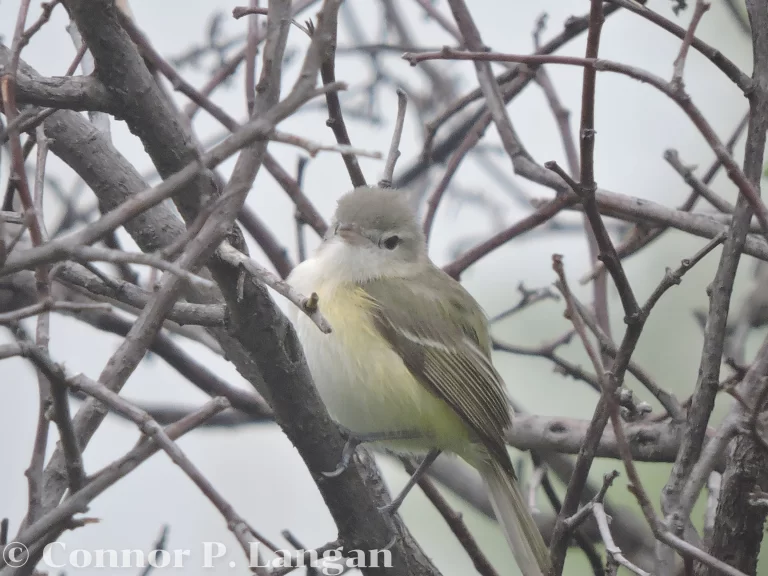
[[677, 94], [255, 130], [522, 162], [152, 432], [650, 213], [455, 523], [439, 152], [698, 186], [679, 64], [335, 118], [119, 291], [640, 238], [309, 305], [743, 81], [544, 213], [76, 503], [559, 543], [394, 151], [738, 529]]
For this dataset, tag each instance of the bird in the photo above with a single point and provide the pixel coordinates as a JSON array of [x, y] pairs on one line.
[[407, 363]]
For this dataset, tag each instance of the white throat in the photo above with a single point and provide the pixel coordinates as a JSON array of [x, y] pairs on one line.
[[337, 262]]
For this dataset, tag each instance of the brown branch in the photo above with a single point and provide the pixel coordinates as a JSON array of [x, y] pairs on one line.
[[308, 305], [187, 366], [648, 441], [548, 352], [587, 161], [738, 529], [251, 47], [42, 338], [679, 64], [698, 186], [612, 409], [308, 211], [672, 278], [56, 519], [439, 152], [542, 214], [726, 66], [639, 238], [151, 430], [119, 291], [433, 201], [335, 117], [649, 213], [230, 66], [61, 415], [522, 162], [254, 130], [263, 236], [199, 249], [394, 150], [677, 94], [455, 523], [559, 543]]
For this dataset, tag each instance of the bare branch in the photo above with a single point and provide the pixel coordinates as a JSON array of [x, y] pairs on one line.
[[679, 64], [308, 305], [394, 151]]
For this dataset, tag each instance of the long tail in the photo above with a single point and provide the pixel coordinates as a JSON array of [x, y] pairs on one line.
[[524, 538]]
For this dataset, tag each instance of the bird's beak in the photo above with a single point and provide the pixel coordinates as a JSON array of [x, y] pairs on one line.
[[351, 235]]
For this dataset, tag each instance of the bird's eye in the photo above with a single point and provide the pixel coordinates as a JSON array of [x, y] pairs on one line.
[[392, 242]]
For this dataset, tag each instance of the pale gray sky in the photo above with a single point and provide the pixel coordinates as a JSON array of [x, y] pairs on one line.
[[256, 468]]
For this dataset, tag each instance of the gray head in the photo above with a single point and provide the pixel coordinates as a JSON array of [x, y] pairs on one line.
[[375, 229], [380, 217]]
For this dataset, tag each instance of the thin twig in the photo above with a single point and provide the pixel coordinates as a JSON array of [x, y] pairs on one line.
[[672, 278], [542, 214], [240, 11], [335, 118], [251, 48], [640, 237], [527, 298], [470, 141], [587, 165], [679, 65], [677, 94], [301, 242], [699, 187], [726, 66], [49, 305], [394, 147], [558, 544], [308, 305], [610, 546], [313, 148], [79, 501], [454, 521], [574, 521]]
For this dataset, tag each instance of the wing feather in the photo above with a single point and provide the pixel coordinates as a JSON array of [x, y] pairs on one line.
[[449, 354]]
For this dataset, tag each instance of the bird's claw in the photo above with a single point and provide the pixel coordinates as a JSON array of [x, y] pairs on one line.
[[346, 458], [391, 508]]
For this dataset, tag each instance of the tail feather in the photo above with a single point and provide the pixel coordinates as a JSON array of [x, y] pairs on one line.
[[528, 547]]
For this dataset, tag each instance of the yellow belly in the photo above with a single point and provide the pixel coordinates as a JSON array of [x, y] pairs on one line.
[[365, 384]]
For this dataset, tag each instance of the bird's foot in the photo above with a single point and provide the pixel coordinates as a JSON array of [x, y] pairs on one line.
[[354, 440], [393, 506]]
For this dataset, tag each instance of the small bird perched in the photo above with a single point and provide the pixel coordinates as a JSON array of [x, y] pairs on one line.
[[408, 361]]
